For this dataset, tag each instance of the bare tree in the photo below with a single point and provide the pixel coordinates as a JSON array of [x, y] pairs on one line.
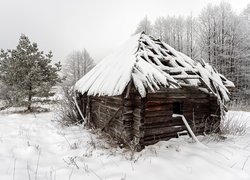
[[77, 64], [190, 47], [144, 25], [223, 41], [159, 28]]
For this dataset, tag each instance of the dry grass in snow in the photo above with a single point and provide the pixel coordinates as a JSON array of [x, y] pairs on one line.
[[35, 147]]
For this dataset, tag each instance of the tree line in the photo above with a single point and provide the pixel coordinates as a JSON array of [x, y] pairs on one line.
[[218, 35]]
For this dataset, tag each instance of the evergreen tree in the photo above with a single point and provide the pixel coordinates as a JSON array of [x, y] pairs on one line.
[[28, 72]]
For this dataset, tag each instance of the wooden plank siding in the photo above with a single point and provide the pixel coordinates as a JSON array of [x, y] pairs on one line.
[[197, 108], [145, 121], [106, 114]]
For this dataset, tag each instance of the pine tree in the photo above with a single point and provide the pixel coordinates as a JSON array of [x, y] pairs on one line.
[[28, 72]]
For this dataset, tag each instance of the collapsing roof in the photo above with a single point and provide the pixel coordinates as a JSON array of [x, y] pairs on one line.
[[151, 64]]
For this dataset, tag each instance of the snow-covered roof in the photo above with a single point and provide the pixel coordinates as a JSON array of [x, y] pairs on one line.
[[151, 64]]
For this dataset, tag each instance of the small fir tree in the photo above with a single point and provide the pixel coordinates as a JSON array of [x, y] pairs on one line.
[[28, 72]]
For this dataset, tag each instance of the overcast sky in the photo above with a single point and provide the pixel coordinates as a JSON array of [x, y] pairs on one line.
[[97, 25]]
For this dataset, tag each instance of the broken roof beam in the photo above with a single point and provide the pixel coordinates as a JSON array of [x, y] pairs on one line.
[[186, 76]]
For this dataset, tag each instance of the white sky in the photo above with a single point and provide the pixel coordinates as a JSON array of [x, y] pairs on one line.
[[97, 25]]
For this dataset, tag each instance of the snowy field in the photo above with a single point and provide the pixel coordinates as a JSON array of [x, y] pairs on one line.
[[35, 147]]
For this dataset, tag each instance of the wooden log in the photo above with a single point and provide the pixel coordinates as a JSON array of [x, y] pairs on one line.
[[160, 136], [127, 116], [159, 108], [109, 100], [128, 103], [104, 108], [127, 108], [164, 130], [158, 114], [106, 105], [180, 90], [175, 96], [159, 119], [138, 101], [107, 97], [184, 90], [105, 114], [163, 124], [152, 102]]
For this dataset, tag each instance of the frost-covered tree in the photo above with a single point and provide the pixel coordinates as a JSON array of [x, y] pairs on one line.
[[179, 32], [27, 72], [144, 25], [159, 28], [246, 16], [190, 38], [77, 64], [223, 42], [245, 27]]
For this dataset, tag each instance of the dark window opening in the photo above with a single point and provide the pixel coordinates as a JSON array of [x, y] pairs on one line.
[[178, 108]]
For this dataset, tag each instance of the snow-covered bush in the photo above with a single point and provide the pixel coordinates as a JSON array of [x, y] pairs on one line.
[[10, 97], [233, 124], [67, 113], [240, 105]]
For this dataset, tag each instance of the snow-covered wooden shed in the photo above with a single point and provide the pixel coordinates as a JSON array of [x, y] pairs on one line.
[[133, 92]]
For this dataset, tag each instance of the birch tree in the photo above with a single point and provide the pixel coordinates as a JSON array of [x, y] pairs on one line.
[[144, 26], [77, 64]]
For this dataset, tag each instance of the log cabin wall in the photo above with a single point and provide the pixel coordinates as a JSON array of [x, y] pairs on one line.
[[215, 116], [121, 116], [195, 105], [106, 113], [147, 120], [138, 119], [127, 118]]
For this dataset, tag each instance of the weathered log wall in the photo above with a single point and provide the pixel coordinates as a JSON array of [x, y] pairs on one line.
[[106, 114], [158, 121], [148, 120], [138, 117], [215, 115]]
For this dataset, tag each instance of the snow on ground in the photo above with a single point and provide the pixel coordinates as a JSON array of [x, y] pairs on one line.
[[34, 146]]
